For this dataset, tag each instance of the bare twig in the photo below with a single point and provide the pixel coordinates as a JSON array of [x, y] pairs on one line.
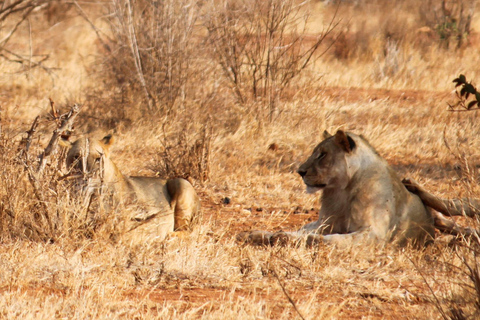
[[437, 302], [4, 41], [30, 133], [132, 36], [23, 60], [54, 111], [52, 145], [287, 295], [92, 25]]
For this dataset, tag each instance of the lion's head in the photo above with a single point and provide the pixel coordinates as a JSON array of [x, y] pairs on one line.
[[85, 155], [327, 166]]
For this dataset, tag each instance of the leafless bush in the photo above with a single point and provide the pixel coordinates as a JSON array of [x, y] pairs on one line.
[[152, 50], [461, 299], [13, 14], [262, 46], [185, 154]]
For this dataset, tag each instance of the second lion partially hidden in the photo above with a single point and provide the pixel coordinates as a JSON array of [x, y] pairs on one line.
[[363, 199], [167, 204]]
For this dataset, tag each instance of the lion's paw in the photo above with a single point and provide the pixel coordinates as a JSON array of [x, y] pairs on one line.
[[259, 238]]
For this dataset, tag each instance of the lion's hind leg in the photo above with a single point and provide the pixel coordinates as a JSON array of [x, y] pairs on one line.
[[454, 207], [184, 202]]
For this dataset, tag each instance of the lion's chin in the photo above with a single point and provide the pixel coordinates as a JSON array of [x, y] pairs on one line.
[[314, 189]]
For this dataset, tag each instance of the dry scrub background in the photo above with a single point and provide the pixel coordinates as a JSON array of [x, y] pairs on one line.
[[230, 120]]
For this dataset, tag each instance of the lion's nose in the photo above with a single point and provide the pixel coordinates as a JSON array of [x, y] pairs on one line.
[[301, 172]]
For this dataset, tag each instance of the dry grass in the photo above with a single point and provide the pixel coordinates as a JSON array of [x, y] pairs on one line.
[[394, 93]]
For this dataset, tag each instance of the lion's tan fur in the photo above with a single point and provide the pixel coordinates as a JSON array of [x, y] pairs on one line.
[[168, 205], [362, 200]]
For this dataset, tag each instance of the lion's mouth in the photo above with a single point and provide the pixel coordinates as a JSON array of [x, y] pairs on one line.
[[316, 187]]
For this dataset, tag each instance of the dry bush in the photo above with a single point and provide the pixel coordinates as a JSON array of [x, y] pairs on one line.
[[374, 27], [151, 51], [457, 298], [158, 66], [37, 200], [262, 46], [13, 15], [154, 64], [185, 153], [451, 20]]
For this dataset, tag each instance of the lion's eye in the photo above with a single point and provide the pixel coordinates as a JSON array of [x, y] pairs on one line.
[[97, 160], [321, 155]]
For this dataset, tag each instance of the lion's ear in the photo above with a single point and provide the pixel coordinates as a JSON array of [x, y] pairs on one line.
[[326, 134], [108, 140], [344, 141]]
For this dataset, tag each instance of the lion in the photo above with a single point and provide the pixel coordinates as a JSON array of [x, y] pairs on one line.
[[363, 199], [169, 204], [467, 207]]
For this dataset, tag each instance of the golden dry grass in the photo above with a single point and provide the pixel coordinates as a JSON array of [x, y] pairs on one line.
[[207, 275]]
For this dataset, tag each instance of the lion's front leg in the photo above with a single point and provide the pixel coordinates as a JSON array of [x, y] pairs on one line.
[[280, 238], [256, 237], [349, 239]]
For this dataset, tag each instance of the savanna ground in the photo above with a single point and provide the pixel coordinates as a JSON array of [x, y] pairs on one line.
[[187, 90]]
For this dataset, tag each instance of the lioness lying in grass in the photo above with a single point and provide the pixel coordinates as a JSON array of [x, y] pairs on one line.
[[362, 199], [171, 205]]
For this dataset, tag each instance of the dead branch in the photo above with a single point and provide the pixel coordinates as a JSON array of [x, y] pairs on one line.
[[27, 141], [30, 133], [27, 12], [24, 159], [287, 295], [52, 145], [33, 176], [54, 111], [31, 63], [97, 31]]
